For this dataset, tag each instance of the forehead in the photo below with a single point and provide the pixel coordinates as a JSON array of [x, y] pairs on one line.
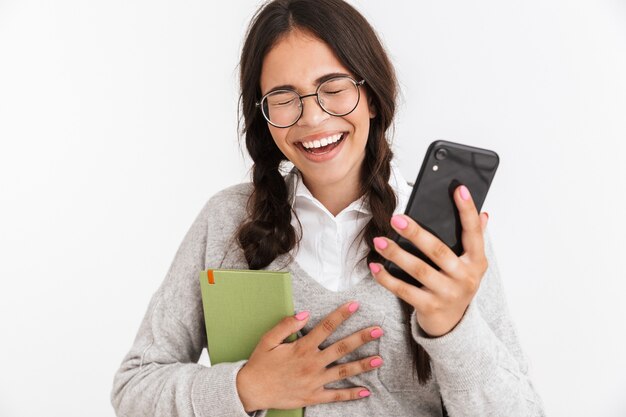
[[298, 59]]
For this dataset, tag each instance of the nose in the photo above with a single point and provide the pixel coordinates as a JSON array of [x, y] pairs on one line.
[[312, 113]]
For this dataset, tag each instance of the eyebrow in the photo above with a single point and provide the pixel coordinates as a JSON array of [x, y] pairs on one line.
[[318, 81]]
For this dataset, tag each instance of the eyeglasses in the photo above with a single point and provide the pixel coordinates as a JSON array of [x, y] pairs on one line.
[[337, 96]]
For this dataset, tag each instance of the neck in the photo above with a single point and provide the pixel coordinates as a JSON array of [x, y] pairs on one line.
[[335, 196], [335, 199]]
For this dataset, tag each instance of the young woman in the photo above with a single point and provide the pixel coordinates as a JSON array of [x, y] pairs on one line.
[[318, 91]]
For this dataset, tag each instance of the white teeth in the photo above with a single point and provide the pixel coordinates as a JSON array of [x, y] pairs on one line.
[[322, 142]]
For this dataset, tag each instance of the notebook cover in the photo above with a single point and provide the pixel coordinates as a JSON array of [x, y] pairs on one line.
[[240, 306]]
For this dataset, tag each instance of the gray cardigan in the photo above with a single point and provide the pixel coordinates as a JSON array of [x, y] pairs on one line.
[[478, 368]]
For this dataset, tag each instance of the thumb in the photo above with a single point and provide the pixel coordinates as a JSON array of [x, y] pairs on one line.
[[285, 328]]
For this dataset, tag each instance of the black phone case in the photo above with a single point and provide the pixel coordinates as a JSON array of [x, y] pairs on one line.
[[431, 203]]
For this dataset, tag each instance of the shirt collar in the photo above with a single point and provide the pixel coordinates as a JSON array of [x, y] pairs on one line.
[[297, 189]]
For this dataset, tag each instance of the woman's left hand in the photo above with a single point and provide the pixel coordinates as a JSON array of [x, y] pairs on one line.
[[446, 294]]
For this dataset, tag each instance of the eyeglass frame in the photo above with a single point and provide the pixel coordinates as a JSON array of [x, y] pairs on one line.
[[357, 84]]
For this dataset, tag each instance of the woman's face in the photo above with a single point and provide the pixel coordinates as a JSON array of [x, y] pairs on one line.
[[298, 60]]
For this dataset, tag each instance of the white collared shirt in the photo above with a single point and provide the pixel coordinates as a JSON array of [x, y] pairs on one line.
[[328, 251]]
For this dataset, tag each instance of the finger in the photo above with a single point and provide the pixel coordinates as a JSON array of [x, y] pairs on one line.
[[411, 264], [349, 344], [484, 219], [329, 324], [419, 298], [285, 328], [345, 370], [471, 235], [346, 394], [436, 250]]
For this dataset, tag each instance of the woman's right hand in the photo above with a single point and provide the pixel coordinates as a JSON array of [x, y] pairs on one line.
[[291, 375]]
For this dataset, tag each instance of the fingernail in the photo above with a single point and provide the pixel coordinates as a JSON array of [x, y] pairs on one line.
[[302, 315], [376, 362], [399, 222], [364, 393], [465, 195], [374, 268], [353, 307], [376, 333], [380, 243]]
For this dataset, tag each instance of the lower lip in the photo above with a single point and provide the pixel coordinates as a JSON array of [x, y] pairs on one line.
[[323, 157]]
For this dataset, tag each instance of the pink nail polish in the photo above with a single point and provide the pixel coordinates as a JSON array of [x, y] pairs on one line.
[[364, 393], [374, 268], [380, 243], [302, 315], [465, 195], [376, 333], [353, 307], [376, 362], [399, 222]]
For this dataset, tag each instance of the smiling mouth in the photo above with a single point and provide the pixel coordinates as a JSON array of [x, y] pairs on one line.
[[321, 150]]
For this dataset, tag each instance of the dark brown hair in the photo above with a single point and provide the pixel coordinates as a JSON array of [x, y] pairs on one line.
[[268, 232]]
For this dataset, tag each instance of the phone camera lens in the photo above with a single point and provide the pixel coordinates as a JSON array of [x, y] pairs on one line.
[[441, 154]]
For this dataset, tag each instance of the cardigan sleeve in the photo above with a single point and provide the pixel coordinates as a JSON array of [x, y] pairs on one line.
[[479, 366], [160, 375]]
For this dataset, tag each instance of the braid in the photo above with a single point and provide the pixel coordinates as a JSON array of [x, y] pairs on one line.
[[269, 232], [376, 170]]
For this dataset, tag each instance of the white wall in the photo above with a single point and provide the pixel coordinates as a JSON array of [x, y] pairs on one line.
[[118, 121]]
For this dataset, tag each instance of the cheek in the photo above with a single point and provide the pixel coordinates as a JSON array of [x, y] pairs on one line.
[[363, 113], [361, 122]]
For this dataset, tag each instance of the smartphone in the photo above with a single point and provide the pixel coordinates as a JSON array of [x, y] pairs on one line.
[[446, 166]]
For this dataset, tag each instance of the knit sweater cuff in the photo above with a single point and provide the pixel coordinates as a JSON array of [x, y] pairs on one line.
[[466, 356], [214, 392]]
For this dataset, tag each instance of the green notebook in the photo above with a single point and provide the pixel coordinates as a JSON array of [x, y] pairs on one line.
[[240, 306]]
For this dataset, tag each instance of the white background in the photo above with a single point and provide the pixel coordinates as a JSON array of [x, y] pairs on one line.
[[118, 121]]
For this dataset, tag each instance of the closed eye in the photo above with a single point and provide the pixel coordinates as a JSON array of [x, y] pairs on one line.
[[333, 92]]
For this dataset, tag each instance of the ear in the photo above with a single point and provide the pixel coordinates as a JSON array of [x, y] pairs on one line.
[[371, 107]]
